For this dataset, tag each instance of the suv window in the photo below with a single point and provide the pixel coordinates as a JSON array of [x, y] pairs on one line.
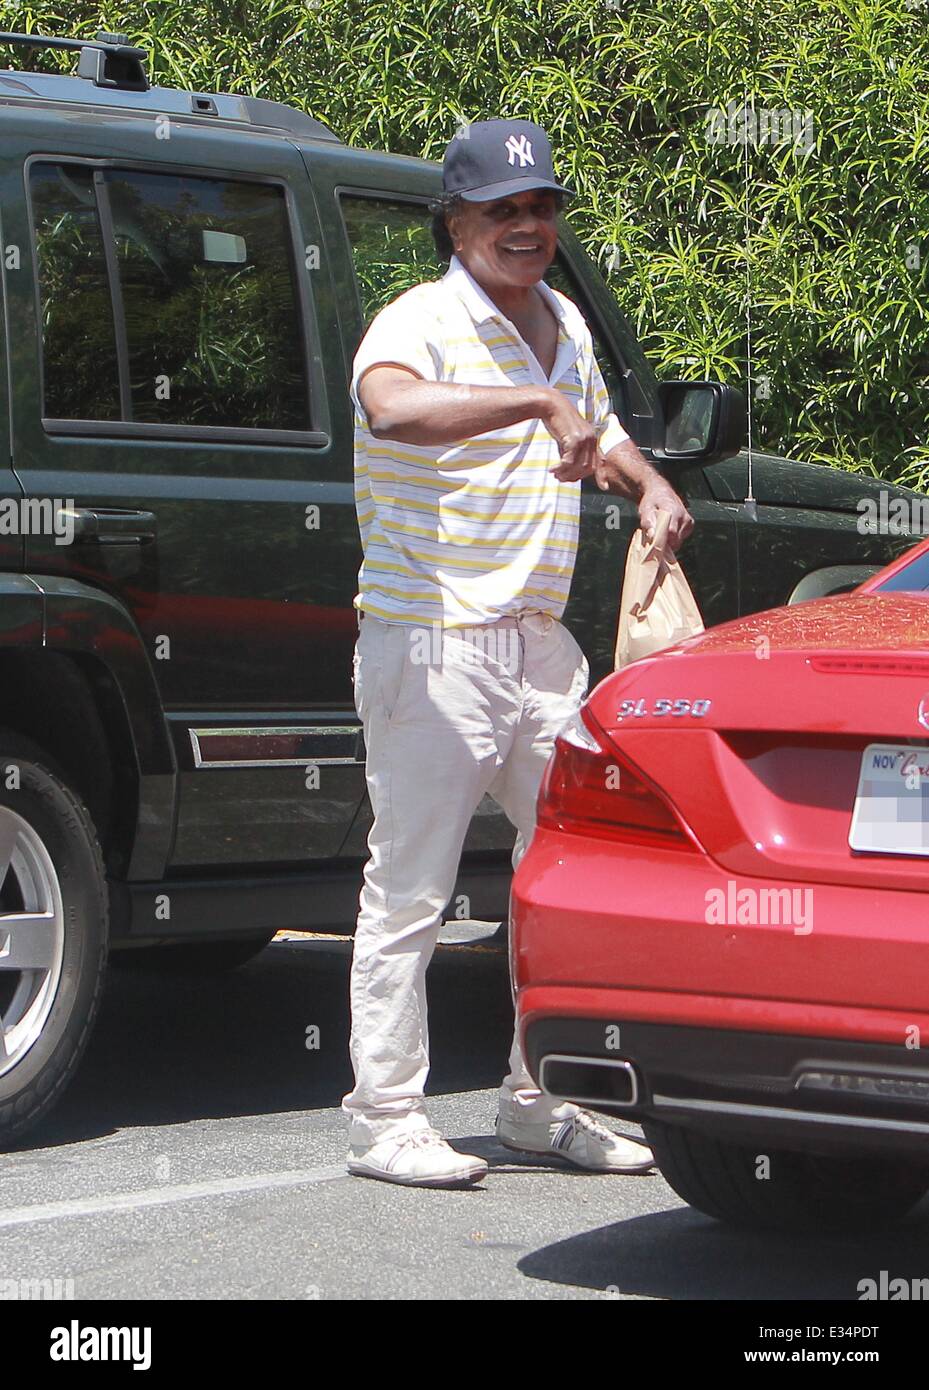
[[81, 368], [198, 276], [393, 250], [392, 247]]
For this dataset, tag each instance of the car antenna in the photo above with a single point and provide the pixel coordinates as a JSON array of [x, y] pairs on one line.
[[749, 503], [107, 61]]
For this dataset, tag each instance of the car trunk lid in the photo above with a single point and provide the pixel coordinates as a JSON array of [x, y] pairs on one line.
[[757, 731]]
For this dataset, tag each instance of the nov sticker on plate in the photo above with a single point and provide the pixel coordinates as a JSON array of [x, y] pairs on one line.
[[891, 813]]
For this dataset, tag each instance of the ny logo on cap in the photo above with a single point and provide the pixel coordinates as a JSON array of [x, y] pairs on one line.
[[519, 149]]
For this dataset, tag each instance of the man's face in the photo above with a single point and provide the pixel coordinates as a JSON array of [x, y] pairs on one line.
[[507, 241]]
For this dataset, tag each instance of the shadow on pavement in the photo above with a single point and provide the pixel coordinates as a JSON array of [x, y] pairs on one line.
[[170, 1049], [681, 1254]]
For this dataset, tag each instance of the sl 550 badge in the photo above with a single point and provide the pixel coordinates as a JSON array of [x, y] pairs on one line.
[[638, 709]]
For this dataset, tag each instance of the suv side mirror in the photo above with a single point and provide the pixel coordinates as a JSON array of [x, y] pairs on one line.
[[703, 421]]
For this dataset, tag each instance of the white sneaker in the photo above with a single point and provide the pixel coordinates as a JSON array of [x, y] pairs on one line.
[[416, 1158], [581, 1140]]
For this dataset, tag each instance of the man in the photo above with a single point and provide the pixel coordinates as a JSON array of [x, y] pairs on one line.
[[479, 408]]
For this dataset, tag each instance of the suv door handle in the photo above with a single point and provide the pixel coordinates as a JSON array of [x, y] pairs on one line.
[[109, 525]]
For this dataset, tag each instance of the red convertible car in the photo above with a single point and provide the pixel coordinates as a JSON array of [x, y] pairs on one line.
[[721, 927]]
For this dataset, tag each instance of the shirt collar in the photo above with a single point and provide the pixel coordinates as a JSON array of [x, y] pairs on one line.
[[481, 307]]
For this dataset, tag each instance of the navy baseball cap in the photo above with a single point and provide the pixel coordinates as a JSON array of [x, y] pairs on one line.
[[491, 159]]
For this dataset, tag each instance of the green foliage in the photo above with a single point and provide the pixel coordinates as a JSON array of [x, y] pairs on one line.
[[833, 269]]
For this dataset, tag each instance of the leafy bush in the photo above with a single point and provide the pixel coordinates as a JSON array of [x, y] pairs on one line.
[[808, 231]]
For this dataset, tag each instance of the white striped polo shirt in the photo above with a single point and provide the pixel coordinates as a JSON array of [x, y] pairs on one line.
[[471, 532]]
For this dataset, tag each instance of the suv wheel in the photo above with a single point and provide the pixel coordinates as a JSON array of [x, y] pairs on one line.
[[801, 1190], [53, 933]]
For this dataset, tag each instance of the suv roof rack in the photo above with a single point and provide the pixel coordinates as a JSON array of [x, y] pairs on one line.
[[107, 61], [116, 70]]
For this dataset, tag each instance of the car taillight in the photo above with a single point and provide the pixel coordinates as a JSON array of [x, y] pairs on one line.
[[590, 790]]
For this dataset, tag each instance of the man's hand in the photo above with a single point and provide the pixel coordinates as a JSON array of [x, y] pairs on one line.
[[661, 497], [576, 437], [624, 470]]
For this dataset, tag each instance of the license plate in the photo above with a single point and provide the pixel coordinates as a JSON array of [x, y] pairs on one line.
[[891, 813]]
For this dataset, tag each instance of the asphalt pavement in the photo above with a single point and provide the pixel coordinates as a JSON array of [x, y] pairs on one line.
[[200, 1153]]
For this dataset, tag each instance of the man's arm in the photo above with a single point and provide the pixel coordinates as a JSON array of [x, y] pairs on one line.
[[624, 470], [621, 468], [401, 405]]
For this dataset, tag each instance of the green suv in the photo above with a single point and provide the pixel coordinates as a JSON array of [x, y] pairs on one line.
[[185, 278]]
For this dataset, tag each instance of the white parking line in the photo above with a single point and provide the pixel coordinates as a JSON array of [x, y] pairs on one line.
[[162, 1196]]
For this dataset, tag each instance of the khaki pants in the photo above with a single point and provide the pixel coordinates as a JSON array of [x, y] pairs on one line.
[[447, 715]]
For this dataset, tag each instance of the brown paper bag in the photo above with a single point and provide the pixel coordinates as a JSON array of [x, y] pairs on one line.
[[657, 607]]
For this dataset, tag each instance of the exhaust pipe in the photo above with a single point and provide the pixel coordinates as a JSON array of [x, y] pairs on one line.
[[590, 1080]]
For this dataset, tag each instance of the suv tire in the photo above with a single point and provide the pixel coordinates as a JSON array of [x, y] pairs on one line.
[[55, 872], [806, 1191]]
